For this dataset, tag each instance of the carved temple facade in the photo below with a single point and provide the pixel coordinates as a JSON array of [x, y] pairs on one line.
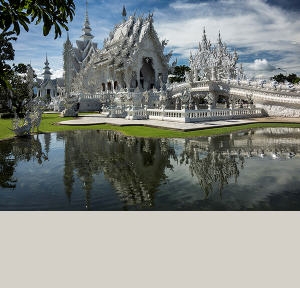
[[128, 78], [48, 86], [132, 58], [214, 62]]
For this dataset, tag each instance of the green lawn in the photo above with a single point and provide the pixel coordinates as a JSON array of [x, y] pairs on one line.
[[49, 121]]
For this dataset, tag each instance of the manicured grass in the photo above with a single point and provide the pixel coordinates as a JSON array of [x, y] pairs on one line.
[[49, 124], [5, 125]]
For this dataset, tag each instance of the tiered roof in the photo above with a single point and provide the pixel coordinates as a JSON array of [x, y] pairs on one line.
[[217, 57], [47, 81], [47, 74], [85, 47], [126, 40]]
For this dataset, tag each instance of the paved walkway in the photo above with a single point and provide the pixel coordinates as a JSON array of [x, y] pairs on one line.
[[94, 119]]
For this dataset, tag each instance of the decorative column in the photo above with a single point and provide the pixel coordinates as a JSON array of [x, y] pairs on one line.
[[70, 102], [195, 75], [112, 86], [138, 78], [213, 73], [29, 78]]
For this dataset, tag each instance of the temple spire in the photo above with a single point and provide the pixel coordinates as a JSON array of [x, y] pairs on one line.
[[47, 74], [204, 43], [68, 64], [124, 13], [68, 42], [219, 38], [86, 26]]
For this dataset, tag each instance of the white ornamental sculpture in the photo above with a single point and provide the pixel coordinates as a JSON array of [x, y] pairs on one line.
[[70, 102], [34, 110], [213, 62]]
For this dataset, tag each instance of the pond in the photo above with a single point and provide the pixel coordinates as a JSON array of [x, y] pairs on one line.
[[254, 169]]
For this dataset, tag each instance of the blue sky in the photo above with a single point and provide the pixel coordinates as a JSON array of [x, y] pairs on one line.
[[266, 34]]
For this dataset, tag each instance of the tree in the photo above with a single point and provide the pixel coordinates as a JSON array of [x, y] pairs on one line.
[[18, 95], [16, 13], [292, 78], [179, 73], [280, 78], [6, 53]]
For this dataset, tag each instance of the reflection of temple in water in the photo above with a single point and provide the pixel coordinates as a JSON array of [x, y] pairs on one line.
[[251, 143], [17, 150], [134, 167], [215, 160], [137, 173]]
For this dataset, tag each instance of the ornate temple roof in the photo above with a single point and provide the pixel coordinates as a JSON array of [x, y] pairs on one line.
[[47, 74], [125, 40], [86, 28], [85, 47], [128, 44], [218, 57]]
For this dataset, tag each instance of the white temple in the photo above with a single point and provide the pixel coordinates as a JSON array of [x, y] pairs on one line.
[[128, 78], [48, 87], [132, 58]]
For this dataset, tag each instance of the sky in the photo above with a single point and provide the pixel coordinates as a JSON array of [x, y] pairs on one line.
[[265, 34]]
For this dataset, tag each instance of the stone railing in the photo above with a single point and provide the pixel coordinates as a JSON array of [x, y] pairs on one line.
[[246, 87], [178, 87], [115, 112], [202, 115], [98, 95], [221, 114], [167, 115], [136, 114], [203, 83], [267, 95], [260, 85]]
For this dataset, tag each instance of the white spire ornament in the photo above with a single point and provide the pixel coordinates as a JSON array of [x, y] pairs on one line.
[[86, 26]]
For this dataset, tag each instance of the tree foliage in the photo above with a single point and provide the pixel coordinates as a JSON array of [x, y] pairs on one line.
[[7, 53], [17, 95], [292, 78], [179, 73], [20, 13], [15, 14]]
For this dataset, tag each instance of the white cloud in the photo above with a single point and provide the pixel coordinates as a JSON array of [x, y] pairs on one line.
[[57, 73], [262, 65], [255, 28]]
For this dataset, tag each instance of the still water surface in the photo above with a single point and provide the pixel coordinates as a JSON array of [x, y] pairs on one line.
[[102, 170]]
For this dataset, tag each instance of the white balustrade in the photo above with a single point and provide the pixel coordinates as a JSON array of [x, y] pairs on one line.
[[202, 115], [136, 114]]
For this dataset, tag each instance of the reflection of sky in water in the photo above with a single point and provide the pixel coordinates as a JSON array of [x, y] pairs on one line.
[[262, 178], [108, 171], [259, 179]]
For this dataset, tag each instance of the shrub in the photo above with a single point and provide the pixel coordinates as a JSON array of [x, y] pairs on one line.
[[7, 115]]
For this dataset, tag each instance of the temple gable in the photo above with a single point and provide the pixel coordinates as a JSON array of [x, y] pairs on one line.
[[132, 57]]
